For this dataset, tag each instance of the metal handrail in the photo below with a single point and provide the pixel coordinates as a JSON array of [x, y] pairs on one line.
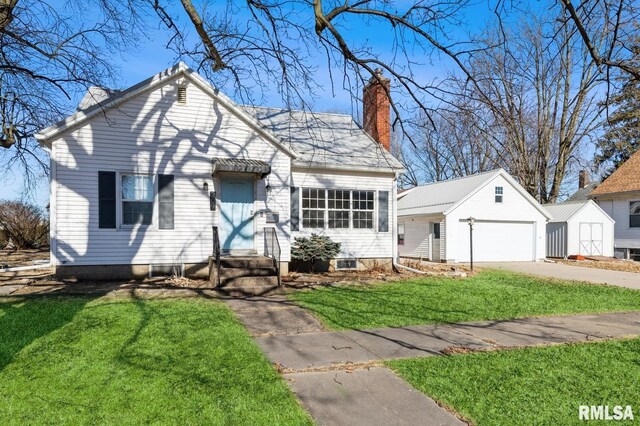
[[216, 252], [272, 249]]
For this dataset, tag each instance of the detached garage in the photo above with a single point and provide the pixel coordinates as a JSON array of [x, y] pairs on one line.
[[509, 224], [579, 228]]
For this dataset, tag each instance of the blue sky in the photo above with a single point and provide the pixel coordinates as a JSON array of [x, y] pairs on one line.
[[150, 56]]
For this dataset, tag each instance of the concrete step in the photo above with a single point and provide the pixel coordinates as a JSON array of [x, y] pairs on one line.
[[246, 262], [246, 272], [241, 282], [249, 291]]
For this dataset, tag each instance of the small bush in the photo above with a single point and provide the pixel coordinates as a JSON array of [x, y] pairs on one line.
[[313, 249], [25, 225]]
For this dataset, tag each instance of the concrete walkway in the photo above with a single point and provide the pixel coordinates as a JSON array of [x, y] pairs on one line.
[[337, 376], [331, 349], [568, 272]]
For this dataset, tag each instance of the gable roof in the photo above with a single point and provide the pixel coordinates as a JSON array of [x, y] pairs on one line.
[[583, 194], [444, 196], [326, 140], [313, 140], [625, 179], [100, 100], [563, 212]]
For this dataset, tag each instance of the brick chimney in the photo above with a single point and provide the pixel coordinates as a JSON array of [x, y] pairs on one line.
[[376, 109], [583, 179]]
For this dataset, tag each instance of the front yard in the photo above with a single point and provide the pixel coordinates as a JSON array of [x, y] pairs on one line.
[[490, 295], [132, 361], [531, 386]]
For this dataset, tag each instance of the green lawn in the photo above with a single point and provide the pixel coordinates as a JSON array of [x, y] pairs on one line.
[[544, 385], [131, 361], [490, 295]]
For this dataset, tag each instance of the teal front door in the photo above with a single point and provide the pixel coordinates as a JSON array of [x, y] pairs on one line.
[[236, 212]]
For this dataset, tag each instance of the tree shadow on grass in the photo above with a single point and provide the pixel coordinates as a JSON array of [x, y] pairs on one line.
[[26, 319]]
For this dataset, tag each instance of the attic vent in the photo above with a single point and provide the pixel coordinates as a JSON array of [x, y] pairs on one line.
[[182, 95]]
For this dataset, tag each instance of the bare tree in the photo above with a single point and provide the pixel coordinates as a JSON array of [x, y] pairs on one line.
[[46, 57], [24, 225], [252, 47], [454, 147], [534, 100]]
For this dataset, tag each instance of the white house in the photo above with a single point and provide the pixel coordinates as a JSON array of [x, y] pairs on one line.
[[509, 224], [140, 177], [579, 227], [619, 197]]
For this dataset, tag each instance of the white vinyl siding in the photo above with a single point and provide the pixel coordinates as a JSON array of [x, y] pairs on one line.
[[152, 134], [355, 243], [416, 238], [515, 215], [617, 207]]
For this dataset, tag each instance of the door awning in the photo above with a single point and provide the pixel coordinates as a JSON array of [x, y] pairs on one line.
[[238, 165]]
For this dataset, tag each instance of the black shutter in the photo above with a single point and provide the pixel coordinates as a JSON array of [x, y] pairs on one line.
[[295, 208], [165, 201], [383, 211], [106, 199]]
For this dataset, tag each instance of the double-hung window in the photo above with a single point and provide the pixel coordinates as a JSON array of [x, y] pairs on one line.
[[313, 207], [337, 209], [137, 199], [498, 194], [634, 214], [338, 204], [362, 209]]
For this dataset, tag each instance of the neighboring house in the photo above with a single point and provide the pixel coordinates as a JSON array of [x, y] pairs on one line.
[[510, 225], [585, 187], [140, 176], [619, 196], [579, 227]]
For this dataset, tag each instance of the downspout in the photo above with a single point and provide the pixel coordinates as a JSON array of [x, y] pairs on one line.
[[27, 268], [406, 268]]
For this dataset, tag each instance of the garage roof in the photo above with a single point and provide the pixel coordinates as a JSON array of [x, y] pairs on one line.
[[442, 197]]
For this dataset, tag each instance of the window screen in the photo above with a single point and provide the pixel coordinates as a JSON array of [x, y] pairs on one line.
[[363, 209], [339, 214], [313, 207], [137, 200]]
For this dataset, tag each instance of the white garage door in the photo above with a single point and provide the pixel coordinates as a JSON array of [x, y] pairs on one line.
[[497, 242]]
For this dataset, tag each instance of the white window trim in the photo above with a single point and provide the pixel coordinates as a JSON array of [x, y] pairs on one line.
[[119, 210], [501, 194], [374, 227]]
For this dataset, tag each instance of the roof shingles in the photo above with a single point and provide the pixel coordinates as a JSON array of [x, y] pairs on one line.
[[625, 179]]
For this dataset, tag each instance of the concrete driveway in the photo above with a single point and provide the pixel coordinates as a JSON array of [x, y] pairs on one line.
[[568, 272]]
